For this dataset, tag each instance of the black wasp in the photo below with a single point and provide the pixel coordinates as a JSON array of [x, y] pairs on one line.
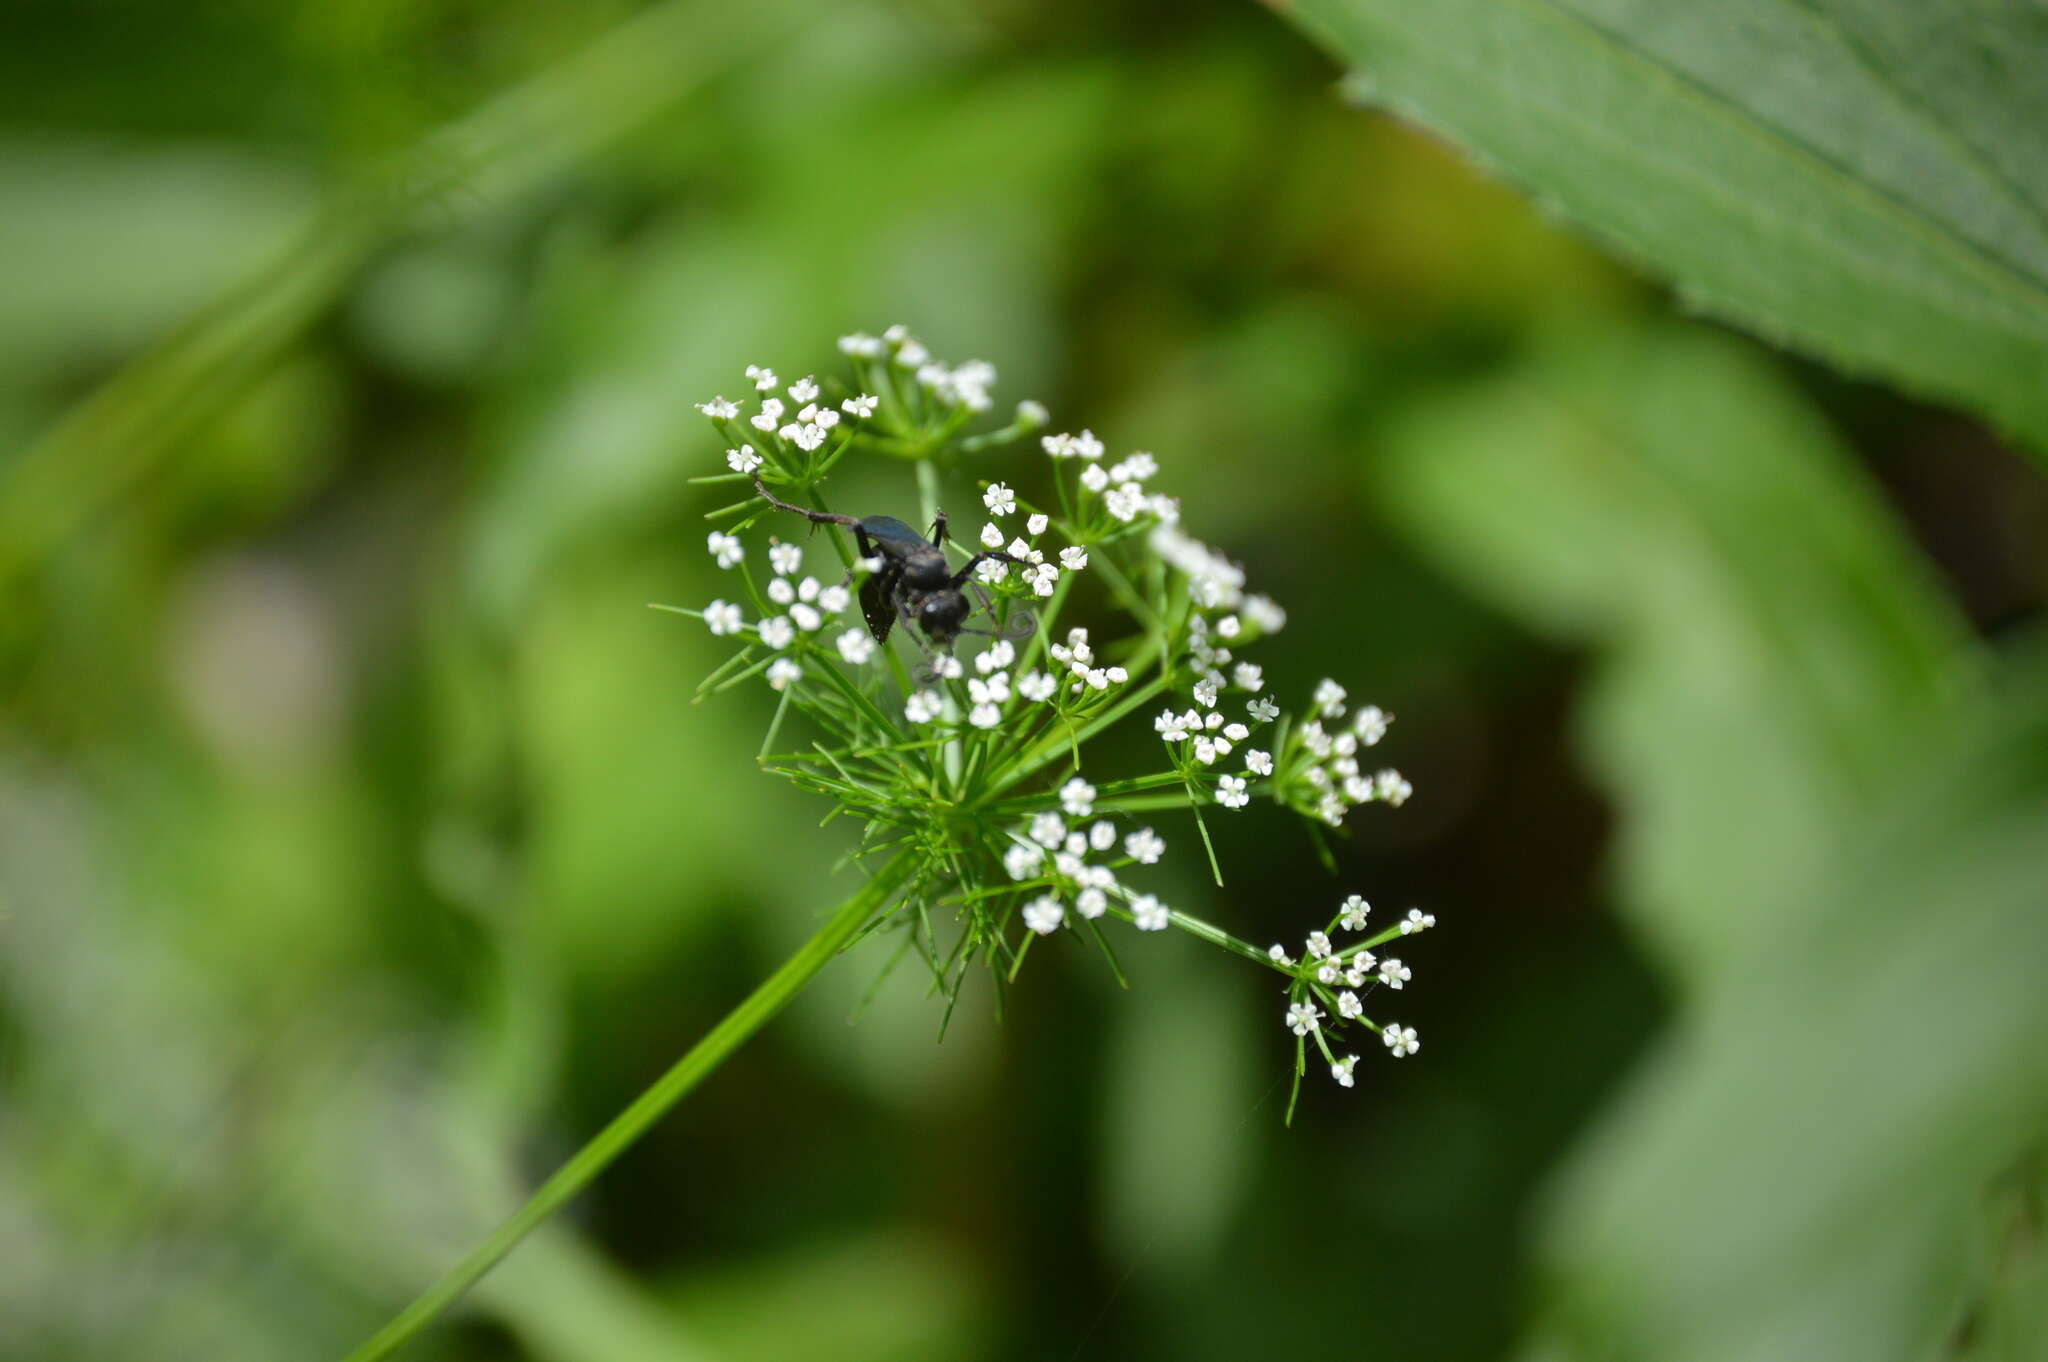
[[913, 580]]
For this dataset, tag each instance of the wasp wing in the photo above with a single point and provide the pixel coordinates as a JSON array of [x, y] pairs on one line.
[[875, 603]]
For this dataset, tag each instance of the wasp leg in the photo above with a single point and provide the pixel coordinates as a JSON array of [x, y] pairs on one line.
[[815, 517], [960, 577]]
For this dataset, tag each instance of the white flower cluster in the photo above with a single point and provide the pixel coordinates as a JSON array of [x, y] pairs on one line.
[[989, 691], [1342, 976], [1033, 570], [1079, 660], [1326, 774], [1046, 853], [806, 428], [967, 385]]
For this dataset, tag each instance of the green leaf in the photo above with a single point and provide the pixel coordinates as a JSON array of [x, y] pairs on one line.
[[1772, 645], [1830, 829], [1804, 1172], [1866, 180]]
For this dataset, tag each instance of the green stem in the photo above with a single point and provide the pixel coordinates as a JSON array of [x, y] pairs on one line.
[[629, 1125]]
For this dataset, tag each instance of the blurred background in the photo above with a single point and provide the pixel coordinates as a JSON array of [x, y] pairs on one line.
[[360, 853]]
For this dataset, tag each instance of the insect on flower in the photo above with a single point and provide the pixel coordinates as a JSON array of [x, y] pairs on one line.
[[913, 582]]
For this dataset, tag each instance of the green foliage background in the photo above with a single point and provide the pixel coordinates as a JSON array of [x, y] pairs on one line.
[[359, 853]]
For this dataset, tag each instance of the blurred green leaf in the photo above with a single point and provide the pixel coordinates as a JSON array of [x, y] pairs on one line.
[[512, 144], [1773, 646], [1829, 831], [1804, 1172], [1863, 179]]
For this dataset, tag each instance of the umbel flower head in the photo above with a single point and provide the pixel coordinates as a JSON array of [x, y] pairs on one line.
[[949, 700]]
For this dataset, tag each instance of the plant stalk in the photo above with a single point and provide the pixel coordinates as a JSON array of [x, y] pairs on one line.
[[629, 1125]]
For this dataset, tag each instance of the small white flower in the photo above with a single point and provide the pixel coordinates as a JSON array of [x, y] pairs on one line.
[[1318, 946], [1330, 698], [834, 599], [1391, 787], [1261, 611], [992, 570], [1228, 627], [718, 409], [1136, 468], [1278, 955], [1091, 903], [1073, 558], [1048, 829], [1077, 796], [1024, 551], [808, 436], [950, 668], [1236, 732], [780, 591], [996, 658], [1023, 859], [782, 671], [1127, 502], [1230, 792], [1036, 686], [1248, 675], [856, 646], [991, 535], [990, 690], [1205, 751], [984, 715], [1032, 415], [1095, 477], [862, 345], [1102, 834], [1145, 846], [860, 408], [1205, 693], [1042, 578], [764, 379], [1417, 921], [722, 617], [1303, 1018], [777, 632], [1400, 1039], [1148, 914], [1348, 1006], [1263, 710], [1044, 914], [1341, 1070], [1036, 525], [786, 559], [726, 549], [1258, 763], [806, 617], [1328, 972], [999, 499], [924, 706], [803, 390], [1354, 913], [1394, 974], [1117, 675], [743, 459]]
